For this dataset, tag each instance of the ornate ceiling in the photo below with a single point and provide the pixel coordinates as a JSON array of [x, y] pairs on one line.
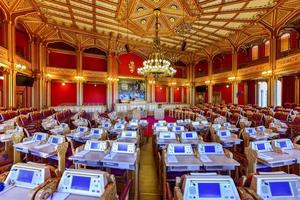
[[215, 25]]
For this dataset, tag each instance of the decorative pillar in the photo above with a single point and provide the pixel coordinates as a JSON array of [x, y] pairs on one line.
[[6, 88], [297, 88], [11, 76], [210, 85], [153, 92], [235, 85], [246, 92], [79, 79], [172, 94], [210, 92], [167, 94], [48, 93], [235, 88], [272, 81], [109, 99]]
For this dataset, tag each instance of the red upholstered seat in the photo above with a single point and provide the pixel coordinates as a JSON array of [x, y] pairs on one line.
[[234, 118], [35, 116]]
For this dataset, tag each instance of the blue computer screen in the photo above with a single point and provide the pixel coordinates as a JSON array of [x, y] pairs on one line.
[[210, 149], [119, 126], [96, 131], [178, 149], [280, 189], [223, 133], [209, 190], [81, 129], [94, 145], [122, 147], [282, 144], [189, 135], [260, 146], [106, 125], [81, 183], [177, 128], [167, 136], [261, 128], [39, 137], [54, 140], [250, 130], [25, 176]]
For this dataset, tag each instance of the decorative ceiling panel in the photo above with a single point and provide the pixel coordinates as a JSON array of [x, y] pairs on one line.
[[201, 23]]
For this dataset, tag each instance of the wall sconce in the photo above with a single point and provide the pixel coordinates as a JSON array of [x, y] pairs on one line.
[[79, 78], [267, 73], [49, 75], [227, 86], [112, 79], [208, 82], [63, 83], [232, 78], [172, 83], [1, 77], [151, 82], [186, 84], [20, 67]]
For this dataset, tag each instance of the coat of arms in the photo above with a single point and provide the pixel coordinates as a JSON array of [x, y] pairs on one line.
[[131, 66]]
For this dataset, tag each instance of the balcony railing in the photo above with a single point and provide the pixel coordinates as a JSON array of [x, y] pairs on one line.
[[254, 62], [287, 53]]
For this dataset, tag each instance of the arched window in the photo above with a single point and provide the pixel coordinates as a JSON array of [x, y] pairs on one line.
[[254, 52], [267, 48], [285, 42]]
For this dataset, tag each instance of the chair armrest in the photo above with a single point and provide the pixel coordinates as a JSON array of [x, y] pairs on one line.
[[3, 176], [169, 192], [228, 153], [177, 193], [44, 190], [125, 192], [109, 192]]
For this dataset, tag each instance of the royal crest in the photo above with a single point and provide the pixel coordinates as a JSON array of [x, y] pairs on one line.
[[131, 66]]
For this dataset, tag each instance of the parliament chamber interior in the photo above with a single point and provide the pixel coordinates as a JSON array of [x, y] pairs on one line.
[[149, 99]]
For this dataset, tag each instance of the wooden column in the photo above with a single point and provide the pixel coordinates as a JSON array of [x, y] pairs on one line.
[[172, 94], [272, 86], [210, 86], [79, 73], [297, 89], [11, 76], [235, 86], [109, 94]]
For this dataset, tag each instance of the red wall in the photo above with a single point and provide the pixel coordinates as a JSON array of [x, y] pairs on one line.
[[62, 60], [288, 89], [294, 40], [94, 64], [22, 44], [94, 93], [160, 93], [222, 63], [177, 94], [180, 72], [226, 93], [241, 93], [124, 61], [201, 68], [251, 92], [63, 94]]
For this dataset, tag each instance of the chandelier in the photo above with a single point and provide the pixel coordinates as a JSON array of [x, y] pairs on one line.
[[156, 65]]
